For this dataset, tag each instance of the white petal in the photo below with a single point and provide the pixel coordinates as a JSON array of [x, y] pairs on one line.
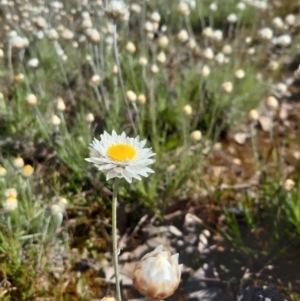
[[111, 174]]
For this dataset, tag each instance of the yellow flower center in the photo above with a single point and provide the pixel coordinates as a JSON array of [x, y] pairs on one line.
[[121, 152]]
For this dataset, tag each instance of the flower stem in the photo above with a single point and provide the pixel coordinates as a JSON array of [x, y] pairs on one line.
[[114, 237], [115, 47]]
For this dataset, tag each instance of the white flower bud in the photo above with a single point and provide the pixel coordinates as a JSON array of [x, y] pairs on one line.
[[157, 275], [31, 99], [227, 49], [130, 47], [136, 8], [163, 42], [131, 96], [161, 57], [143, 61], [95, 80], [182, 36], [187, 110], [208, 54], [232, 18], [10, 204], [60, 105], [18, 162], [205, 71], [93, 35], [241, 6], [27, 171], [89, 117], [266, 34], [288, 185], [272, 102], [3, 171], [239, 74], [116, 9], [196, 136], [141, 99], [149, 27], [55, 120], [33, 63], [213, 6], [227, 87], [253, 115], [67, 34], [154, 69], [218, 35], [290, 19], [183, 8]]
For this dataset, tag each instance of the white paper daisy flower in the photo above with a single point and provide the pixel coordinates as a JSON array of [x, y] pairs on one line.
[[121, 156]]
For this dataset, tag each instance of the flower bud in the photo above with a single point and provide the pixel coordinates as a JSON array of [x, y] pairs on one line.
[[131, 96], [163, 42], [116, 9], [288, 184], [31, 99], [141, 99], [157, 275], [130, 47], [55, 120], [183, 8], [143, 61], [10, 204], [196, 136], [205, 71], [239, 74], [154, 69], [60, 104], [95, 80], [187, 110], [3, 171], [182, 36], [253, 115], [27, 171], [227, 87], [272, 102], [161, 57], [18, 162], [90, 117]]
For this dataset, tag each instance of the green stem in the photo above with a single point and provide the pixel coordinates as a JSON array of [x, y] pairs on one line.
[[121, 82], [114, 237]]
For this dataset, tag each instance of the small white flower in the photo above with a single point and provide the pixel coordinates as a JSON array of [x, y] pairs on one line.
[[3, 171], [213, 6], [288, 185], [11, 193], [183, 36], [290, 19], [116, 9], [218, 35], [278, 22], [232, 18], [208, 53], [266, 33], [18, 162], [10, 204], [240, 73], [283, 40], [33, 63], [121, 156], [241, 6], [183, 8], [155, 17], [158, 274]]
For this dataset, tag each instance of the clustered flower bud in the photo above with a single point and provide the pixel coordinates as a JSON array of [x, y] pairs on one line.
[[158, 274]]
